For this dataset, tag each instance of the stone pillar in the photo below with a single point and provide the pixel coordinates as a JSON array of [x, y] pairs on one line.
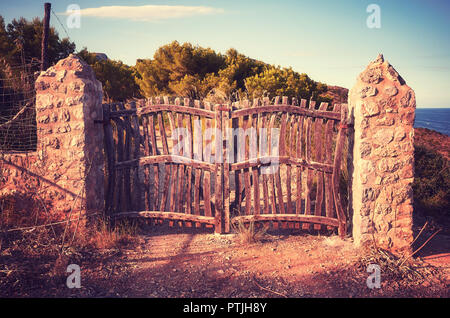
[[68, 100], [383, 158]]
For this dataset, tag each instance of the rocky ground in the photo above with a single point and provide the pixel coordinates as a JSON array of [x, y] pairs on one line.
[[164, 262]]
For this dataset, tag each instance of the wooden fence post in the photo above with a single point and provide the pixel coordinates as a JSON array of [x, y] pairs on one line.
[[45, 32]]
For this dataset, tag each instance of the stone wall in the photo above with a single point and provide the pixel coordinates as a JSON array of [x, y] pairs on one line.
[[383, 107], [67, 167]]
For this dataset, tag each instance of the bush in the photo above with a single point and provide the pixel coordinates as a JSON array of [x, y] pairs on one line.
[[431, 183]]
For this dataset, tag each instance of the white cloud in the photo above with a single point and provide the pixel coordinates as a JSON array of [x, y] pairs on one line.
[[148, 12]]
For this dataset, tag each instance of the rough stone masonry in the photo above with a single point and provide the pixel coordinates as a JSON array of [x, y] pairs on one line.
[[383, 107], [68, 100]]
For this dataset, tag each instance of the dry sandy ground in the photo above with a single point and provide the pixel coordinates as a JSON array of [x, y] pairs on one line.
[[163, 264], [166, 263]]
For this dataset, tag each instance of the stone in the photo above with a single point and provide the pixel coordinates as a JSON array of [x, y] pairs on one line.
[[391, 90], [65, 115], [383, 209], [370, 109], [368, 91], [388, 165], [383, 141], [408, 100], [41, 85], [45, 119], [392, 73], [383, 137], [366, 149], [399, 135], [60, 75], [369, 194], [385, 121], [371, 76]]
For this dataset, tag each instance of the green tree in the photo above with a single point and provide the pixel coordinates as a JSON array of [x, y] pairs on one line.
[[177, 68], [5, 45], [118, 79], [195, 72], [276, 81], [24, 39]]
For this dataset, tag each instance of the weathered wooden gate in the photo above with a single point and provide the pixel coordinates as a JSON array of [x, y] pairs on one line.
[[198, 164]]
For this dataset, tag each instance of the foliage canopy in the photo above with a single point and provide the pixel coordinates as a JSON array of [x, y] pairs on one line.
[[196, 72], [21, 41], [118, 79]]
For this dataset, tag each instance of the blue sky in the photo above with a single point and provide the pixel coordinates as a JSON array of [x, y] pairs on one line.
[[327, 39]]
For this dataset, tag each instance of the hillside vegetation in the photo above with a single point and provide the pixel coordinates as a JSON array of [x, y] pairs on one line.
[[201, 73]]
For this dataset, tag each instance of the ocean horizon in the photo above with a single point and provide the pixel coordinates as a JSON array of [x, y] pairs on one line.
[[433, 118]]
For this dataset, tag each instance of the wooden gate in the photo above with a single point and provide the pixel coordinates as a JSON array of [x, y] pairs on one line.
[[195, 164]]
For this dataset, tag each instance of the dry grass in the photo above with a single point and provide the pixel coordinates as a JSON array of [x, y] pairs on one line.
[[107, 235], [411, 272], [248, 233]]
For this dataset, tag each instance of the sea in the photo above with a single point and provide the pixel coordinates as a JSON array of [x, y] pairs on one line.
[[433, 118]]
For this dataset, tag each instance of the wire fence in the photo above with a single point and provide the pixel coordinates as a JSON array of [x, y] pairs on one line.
[[17, 106]]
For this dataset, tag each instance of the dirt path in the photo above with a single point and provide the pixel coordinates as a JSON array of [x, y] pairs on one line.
[[176, 263], [207, 265]]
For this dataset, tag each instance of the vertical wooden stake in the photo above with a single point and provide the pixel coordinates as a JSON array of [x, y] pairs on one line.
[[219, 173], [45, 32]]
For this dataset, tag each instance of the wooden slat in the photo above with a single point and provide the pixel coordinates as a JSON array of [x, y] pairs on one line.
[[336, 173], [319, 147], [277, 108], [190, 144], [254, 155], [219, 175], [327, 168], [180, 183], [136, 154], [290, 151], [174, 170], [109, 150], [328, 185], [207, 158], [235, 143], [197, 111], [119, 174], [309, 172], [246, 146], [263, 152], [198, 139], [298, 149], [282, 152], [127, 156], [172, 216], [148, 202], [226, 173], [287, 218], [273, 201], [238, 176], [156, 203], [167, 166]]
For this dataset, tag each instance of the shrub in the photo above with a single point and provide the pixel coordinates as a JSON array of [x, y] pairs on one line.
[[431, 183]]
